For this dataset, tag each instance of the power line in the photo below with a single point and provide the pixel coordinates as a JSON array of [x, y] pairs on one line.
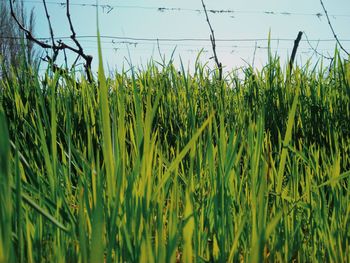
[[108, 8]]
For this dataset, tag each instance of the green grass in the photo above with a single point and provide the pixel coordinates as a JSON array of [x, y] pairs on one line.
[[157, 166]]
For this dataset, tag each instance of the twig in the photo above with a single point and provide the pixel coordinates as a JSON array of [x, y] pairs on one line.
[[320, 54], [81, 53], [49, 22], [314, 49], [331, 27], [54, 47], [72, 28], [75, 62], [213, 44]]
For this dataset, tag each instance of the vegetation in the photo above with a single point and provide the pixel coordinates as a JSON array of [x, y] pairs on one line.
[[14, 48], [157, 165]]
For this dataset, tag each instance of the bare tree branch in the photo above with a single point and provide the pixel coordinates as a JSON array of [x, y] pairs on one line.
[[72, 28], [60, 46], [331, 27], [213, 44], [81, 53], [49, 22]]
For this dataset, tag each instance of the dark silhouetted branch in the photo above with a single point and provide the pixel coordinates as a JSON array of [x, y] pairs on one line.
[[213, 43], [49, 22], [295, 48], [81, 53], [28, 34], [58, 46]]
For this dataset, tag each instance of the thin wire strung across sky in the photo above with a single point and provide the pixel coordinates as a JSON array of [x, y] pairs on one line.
[[230, 46], [186, 39], [107, 8], [195, 48], [140, 46]]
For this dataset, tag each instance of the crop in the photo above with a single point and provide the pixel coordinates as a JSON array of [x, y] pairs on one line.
[[160, 165]]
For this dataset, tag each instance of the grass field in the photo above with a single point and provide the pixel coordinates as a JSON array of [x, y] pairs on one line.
[[157, 165]]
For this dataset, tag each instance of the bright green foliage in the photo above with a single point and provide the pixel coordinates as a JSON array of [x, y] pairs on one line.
[[161, 166]]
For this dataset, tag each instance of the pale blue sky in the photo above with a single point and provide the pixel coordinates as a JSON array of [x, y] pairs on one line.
[[140, 20]]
